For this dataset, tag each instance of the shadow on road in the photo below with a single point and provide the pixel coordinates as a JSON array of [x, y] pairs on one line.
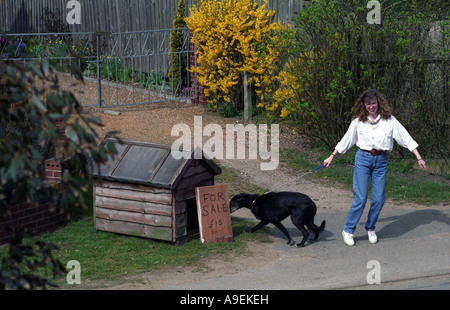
[[403, 224]]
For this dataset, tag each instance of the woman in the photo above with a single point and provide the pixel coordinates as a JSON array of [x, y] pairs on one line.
[[373, 130]]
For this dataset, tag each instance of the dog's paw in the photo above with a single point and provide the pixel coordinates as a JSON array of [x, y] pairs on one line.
[[248, 230], [291, 243], [300, 245]]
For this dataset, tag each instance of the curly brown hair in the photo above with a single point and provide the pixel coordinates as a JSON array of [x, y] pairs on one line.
[[361, 112]]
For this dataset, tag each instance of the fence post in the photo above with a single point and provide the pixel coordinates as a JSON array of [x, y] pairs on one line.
[[99, 77], [247, 98]]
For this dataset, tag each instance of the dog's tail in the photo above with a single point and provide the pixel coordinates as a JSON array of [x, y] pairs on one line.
[[322, 226], [316, 228]]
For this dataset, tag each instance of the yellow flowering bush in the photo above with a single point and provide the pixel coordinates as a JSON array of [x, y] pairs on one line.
[[289, 93], [233, 37]]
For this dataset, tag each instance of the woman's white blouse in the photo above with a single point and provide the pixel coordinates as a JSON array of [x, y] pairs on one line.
[[377, 136]]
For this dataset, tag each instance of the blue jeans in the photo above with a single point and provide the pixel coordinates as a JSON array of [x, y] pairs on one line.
[[367, 167]]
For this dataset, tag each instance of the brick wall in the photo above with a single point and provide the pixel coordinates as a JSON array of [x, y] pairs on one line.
[[53, 171], [201, 98], [37, 218]]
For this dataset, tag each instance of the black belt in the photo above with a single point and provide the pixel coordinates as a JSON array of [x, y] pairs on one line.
[[374, 152]]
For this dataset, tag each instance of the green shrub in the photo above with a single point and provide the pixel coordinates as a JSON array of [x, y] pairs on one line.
[[335, 55], [227, 109]]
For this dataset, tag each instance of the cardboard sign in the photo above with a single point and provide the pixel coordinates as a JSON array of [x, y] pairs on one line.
[[214, 214]]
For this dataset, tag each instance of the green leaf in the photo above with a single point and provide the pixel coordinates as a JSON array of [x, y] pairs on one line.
[[55, 99], [36, 70], [38, 103], [17, 97], [45, 66], [75, 70], [111, 147], [95, 120], [73, 135]]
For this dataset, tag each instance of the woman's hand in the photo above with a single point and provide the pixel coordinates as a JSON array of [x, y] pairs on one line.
[[422, 164], [327, 162], [420, 160]]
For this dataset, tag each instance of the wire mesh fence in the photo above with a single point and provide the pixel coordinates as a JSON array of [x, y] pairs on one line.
[[119, 69]]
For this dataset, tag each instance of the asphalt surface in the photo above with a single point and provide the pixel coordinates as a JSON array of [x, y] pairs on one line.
[[413, 252]]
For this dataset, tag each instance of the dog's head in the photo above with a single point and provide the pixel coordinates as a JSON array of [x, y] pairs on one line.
[[240, 201]]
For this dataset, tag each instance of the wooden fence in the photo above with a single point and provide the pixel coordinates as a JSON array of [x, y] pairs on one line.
[[24, 16]]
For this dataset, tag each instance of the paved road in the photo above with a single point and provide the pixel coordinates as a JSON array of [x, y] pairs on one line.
[[413, 252]]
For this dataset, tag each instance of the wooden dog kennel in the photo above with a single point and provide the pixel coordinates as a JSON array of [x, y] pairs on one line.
[[146, 192]]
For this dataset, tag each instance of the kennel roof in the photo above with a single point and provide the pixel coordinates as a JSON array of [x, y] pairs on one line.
[[147, 164]]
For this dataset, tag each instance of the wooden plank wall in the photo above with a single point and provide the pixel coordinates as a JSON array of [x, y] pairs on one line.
[[133, 209], [198, 174], [147, 211], [23, 16]]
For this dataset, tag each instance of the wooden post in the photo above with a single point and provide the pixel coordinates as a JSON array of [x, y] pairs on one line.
[[247, 98], [99, 34]]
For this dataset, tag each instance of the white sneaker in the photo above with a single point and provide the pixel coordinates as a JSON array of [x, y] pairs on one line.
[[348, 238], [372, 236]]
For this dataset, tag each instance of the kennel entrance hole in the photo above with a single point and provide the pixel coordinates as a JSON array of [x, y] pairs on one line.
[[192, 217]]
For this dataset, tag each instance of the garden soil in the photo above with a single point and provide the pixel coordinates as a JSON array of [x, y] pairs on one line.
[[154, 122]]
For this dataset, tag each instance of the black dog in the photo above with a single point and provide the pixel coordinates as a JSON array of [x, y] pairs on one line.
[[275, 207]]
